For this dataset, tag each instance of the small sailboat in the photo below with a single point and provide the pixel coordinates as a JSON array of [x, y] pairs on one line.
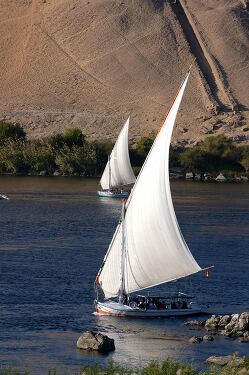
[[3, 196], [148, 248], [118, 172]]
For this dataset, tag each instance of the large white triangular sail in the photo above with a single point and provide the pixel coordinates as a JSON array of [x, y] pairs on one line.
[[156, 251], [118, 171]]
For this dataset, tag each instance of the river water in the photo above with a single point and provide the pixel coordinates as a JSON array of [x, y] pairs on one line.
[[54, 233]]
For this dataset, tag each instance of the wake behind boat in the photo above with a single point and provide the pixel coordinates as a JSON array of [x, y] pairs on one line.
[[148, 248], [118, 172]]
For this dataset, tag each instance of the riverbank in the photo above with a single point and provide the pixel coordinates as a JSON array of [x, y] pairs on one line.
[[231, 365], [71, 154]]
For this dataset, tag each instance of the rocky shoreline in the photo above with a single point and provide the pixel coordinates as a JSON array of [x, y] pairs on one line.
[[234, 326]]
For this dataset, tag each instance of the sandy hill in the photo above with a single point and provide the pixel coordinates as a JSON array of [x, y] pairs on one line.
[[68, 63]]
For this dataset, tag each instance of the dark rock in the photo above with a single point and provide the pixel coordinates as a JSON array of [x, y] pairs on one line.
[[238, 333], [239, 138], [206, 131], [208, 338], [183, 130], [182, 142], [95, 341], [244, 339], [217, 126], [195, 340]]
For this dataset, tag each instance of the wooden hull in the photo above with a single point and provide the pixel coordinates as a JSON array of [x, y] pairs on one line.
[[116, 309], [110, 194]]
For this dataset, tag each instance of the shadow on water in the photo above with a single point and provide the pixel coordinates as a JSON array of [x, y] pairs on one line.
[[54, 233]]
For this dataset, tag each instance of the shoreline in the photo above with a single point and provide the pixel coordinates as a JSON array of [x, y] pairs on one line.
[[237, 179]]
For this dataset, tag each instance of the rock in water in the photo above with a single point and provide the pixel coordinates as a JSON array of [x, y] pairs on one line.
[[212, 323], [208, 338], [224, 321], [195, 340], [95, 341]]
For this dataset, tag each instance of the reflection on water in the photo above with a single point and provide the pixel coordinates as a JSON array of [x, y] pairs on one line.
[[54, 233]]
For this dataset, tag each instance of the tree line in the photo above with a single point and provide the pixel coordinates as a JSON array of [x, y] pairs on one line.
[[71, 153]]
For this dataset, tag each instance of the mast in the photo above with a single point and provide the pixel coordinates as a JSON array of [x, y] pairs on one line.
[[109, 163], [122, 259]]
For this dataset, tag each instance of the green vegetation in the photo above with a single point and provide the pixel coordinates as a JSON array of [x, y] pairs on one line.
[[71, 153], [167, 367], [11, 132], [215, 154]]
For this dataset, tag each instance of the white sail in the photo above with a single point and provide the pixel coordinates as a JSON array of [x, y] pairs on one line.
[[118, 171], [156, 251]]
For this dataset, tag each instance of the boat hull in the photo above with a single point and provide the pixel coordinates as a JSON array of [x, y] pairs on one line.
[[2, 196], [110, 194], [116, 309]]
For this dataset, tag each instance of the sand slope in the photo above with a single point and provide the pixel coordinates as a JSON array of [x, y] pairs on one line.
[[66, 63]]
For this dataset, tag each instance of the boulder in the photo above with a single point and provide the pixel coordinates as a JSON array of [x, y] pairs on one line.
[[238, 324], [230, 326], [208, 338], [243, 322], [195, 340], [212, 323], [219, 360], [225, 319], [227, 360], [95, 341]]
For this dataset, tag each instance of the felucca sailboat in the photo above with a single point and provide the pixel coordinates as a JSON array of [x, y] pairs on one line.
[[3, 196], [148, 248], [118, 172]]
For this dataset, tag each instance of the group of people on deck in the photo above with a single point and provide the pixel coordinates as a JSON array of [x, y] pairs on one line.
[[153, 303]]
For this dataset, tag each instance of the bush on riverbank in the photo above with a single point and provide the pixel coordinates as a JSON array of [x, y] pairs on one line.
[[167, 367], [71, 153]]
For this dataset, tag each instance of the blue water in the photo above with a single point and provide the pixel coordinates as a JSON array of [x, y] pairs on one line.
[[54, 233]]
